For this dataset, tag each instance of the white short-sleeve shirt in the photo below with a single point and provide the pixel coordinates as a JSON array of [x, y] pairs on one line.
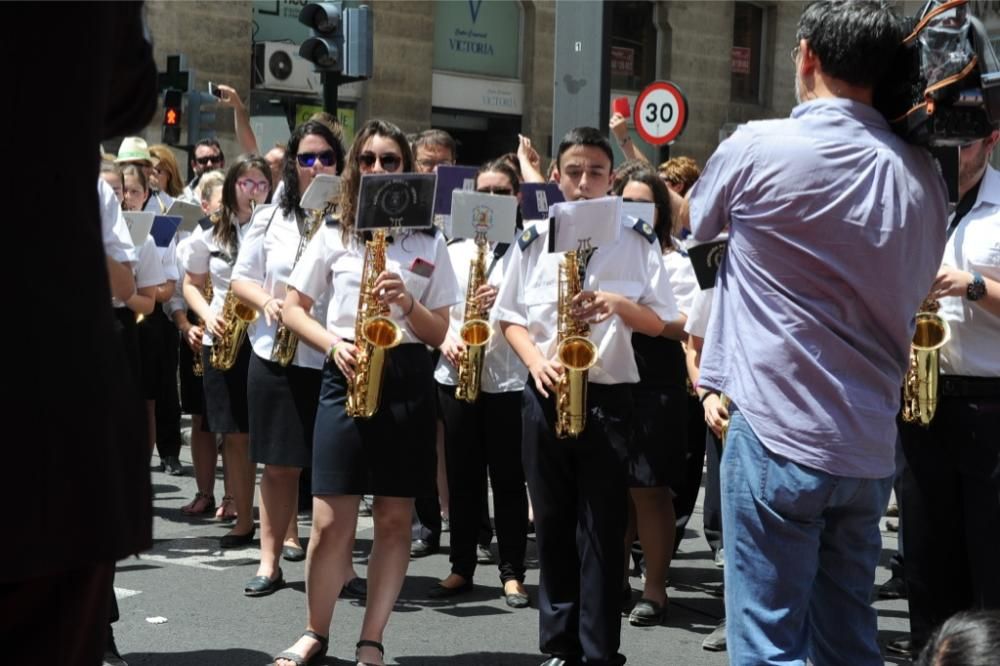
[[114, 232], [682, 279], [699, 314], [633, 267], [199, 254], [503, 371], [330, 265], [267, 257]]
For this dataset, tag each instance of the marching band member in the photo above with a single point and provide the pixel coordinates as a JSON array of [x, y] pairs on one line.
[[214, 251], [578, 487], [282, 399], [485, 434], [656, 462], [204, 451], [390, 455]]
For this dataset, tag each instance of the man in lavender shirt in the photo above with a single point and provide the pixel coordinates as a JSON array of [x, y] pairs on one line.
[[837, 229]]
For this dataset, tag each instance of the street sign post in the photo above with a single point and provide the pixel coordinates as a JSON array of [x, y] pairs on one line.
[[660, 113]]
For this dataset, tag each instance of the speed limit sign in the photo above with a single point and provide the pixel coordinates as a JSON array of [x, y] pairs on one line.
[[660, 113]]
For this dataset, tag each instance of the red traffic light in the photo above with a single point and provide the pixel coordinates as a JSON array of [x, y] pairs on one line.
[[171, 117]]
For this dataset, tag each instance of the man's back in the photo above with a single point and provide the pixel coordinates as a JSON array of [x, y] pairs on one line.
[[828, 260]]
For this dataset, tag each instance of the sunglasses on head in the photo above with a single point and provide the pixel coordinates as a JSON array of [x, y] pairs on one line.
[[209, 159], [505, 191], [389, 161], [630, 200], [327, 158]]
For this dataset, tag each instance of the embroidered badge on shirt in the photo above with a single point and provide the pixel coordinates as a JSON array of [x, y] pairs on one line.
[[645, 230], [526, 237]]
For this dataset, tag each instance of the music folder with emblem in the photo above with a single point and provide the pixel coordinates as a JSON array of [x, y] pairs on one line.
[[188, 212], [581, 225], [538, 198], [492, 216], [396, 201], [707, 259]]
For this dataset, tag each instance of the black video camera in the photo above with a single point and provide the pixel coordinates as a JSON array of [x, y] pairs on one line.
[[943, 88]]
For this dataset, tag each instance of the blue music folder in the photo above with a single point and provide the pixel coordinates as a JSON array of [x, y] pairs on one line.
[[537, 198], [449, 179], [164, 228]]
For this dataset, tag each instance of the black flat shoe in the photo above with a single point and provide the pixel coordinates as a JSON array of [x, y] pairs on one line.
[[356, 588], [261, 586], [293, 554], [439, 591], [237, 540], [647, 613]]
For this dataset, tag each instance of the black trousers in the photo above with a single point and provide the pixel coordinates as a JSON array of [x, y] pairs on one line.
[[578, 490], [712, 508], [159, 339], [950, 512], [479, 438], [687, 493]]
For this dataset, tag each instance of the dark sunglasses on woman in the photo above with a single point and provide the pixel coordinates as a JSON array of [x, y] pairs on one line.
[[327, 158], [389, 161]]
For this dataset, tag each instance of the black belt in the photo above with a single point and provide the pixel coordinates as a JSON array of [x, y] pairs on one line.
[[958, 386]]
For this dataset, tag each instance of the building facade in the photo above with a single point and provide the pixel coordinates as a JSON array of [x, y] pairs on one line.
[[484, 69]]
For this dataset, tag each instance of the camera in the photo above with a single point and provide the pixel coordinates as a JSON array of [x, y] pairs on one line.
[[943, 88]]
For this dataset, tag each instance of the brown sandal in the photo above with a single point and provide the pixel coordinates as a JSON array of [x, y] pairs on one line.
[[201, 504], [225, 511]]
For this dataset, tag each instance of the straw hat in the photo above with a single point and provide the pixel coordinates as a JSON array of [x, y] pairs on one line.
[[133, 149]]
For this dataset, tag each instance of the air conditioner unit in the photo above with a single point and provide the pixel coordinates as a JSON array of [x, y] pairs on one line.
[[278, 66]]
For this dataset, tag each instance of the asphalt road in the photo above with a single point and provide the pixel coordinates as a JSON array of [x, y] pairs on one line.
[[182, 604]]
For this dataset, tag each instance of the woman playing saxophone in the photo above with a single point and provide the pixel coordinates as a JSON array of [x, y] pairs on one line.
[[391, 454], [213, 252]]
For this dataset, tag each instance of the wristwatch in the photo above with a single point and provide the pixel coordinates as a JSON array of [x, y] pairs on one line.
[[977, 288]]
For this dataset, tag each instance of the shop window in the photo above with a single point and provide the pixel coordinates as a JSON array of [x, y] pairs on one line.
[[746, 54], [633, 45]]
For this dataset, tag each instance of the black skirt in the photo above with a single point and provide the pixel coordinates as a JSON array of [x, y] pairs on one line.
[[125, 327], [192, 391], [283, 403], [226, 408], [391, 454], [656, 454]]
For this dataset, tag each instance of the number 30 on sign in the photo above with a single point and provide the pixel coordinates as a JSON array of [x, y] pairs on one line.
[[660, 113]]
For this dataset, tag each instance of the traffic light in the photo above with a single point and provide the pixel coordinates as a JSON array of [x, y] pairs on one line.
[[201, 116], [325, 46], [172, 100]]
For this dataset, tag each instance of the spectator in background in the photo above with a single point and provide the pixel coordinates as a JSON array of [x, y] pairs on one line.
[[207, 157], [679, 173], [166, 175], [434, 148]]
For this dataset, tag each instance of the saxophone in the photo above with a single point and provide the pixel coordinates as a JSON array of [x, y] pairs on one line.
[[238, 316], [475, 332], [374, 334], [286, 342], [920, 385], [575, 352], [197, 367]]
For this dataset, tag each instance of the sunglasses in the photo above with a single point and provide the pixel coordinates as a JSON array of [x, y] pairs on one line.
[[209, 159], [389, 161], [630, 200], [327, 158], [251, 186], [505, 191]]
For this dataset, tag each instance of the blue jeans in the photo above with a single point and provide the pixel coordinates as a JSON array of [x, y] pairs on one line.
[[801, 551]]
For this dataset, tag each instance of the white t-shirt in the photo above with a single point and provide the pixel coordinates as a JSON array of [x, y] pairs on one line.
[[266, 259], [503, 371], [632, 267], [974, 348], [199, 254], [328, 265], [114, 232]]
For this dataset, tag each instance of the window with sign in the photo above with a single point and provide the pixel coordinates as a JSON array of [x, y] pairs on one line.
[[478, 37], [745, 56], [633, 44]]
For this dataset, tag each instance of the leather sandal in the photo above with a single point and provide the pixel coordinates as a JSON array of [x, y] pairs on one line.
[[204, 500], [298, 659], [364, 643], [225, 512]]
